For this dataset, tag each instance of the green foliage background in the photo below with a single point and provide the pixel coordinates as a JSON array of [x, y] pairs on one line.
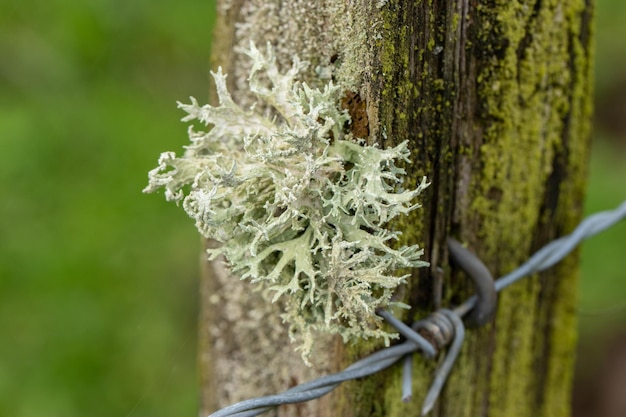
[[98, 282], [603, 258]]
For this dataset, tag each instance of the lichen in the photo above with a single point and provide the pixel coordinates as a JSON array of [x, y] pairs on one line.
[[300, 206]]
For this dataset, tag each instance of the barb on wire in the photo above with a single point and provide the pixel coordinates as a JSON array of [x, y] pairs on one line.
[[446, 327], [428, 349], [444, 370]]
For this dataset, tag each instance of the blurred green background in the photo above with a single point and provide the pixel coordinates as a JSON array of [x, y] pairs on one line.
[[98, 282], [603, 261]]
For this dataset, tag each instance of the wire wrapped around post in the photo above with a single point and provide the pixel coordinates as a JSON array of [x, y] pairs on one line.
[[443, 327]]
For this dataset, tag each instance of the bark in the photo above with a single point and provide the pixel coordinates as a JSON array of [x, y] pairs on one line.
[[494, 98]]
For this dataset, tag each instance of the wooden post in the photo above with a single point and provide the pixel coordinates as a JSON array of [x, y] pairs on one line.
[[495, 99]]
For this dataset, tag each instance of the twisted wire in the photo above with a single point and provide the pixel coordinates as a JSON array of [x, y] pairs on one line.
[[554, 251], [546, 257], [442, 372]]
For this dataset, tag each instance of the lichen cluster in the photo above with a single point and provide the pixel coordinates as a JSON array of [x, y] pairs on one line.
[[299, 205]]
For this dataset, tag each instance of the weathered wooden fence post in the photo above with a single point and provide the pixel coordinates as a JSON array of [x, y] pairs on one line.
[[495, 99]]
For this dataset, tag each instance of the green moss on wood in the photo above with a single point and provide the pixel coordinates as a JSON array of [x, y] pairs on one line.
[[533, 107]]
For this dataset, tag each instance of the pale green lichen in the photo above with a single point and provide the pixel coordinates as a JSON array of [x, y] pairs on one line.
[[299, 205]]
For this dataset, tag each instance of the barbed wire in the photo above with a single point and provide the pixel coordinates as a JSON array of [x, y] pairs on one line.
[[442, 327]]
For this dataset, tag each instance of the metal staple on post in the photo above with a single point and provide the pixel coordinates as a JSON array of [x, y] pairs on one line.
[[446, 321]]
